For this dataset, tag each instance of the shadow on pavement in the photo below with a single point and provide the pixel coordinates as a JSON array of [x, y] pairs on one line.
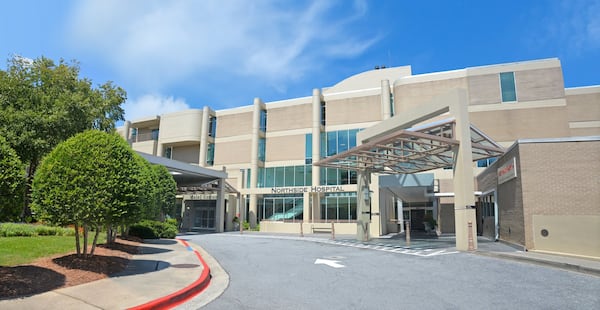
[[141, 266]]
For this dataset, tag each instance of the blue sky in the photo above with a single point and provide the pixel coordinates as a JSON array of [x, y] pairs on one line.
[[173, 55]]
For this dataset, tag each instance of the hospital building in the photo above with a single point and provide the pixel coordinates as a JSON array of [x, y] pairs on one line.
[[503, 151]]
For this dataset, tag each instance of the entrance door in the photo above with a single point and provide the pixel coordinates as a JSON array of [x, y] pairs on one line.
[[205, 212]]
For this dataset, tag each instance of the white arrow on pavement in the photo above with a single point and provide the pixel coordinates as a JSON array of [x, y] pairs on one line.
[[330, 263]]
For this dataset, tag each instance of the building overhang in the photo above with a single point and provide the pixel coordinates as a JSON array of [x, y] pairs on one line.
[[186, 175], [412, 150]]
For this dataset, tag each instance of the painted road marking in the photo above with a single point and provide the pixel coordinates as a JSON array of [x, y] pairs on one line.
[[328, 262]]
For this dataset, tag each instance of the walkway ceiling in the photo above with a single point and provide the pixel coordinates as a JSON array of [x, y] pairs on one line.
[[185, 174], [412, 150]]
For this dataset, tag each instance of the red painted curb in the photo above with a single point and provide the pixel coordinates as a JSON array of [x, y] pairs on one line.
[[181, 296]]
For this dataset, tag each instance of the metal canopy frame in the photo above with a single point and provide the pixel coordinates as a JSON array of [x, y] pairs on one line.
[[412, 150]]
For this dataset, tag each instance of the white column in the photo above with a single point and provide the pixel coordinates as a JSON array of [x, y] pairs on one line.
[[254, 160], [316, 153], [204, 136], [464, 187], [400, 218], [363, 202], [220, 214]]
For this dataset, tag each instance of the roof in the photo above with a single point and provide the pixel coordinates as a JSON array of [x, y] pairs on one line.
[[186, 174], [412, 150]]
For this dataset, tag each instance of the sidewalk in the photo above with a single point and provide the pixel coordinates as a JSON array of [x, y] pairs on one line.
[[165, 273]]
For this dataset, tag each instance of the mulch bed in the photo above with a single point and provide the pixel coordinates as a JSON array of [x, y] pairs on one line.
[[50, 273]]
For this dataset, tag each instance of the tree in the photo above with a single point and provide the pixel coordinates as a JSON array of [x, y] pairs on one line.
[[91, 180], [11, 182], [43, 103], [166, 190]]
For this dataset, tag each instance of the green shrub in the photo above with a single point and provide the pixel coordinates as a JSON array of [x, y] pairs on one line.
[[30, 230], [246, 225], [148, 229], [142, 231]]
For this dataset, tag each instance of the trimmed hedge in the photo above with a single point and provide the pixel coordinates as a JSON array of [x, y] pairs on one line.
[[147, 229], [31, 230]]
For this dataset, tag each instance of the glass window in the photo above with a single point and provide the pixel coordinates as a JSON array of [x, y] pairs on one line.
[[308, 175], [298, 176], [168, 152], [507, 86], [343, 141], [289, 175], [261, 178], [248, 178], [261, 149], [154, 134], [279, 176], [323, 113], [263, 120], [392, 108], [332, 176], [331, 143], [212, 126], [308, 148], [269, 177], [134, 132], [210, 154]]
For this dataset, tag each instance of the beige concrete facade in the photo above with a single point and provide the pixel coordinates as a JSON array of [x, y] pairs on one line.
[[543, 109]]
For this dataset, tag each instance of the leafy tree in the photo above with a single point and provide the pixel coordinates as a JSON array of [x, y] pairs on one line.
[[166, 190], [11, 182], [42, 103], [91, 180]]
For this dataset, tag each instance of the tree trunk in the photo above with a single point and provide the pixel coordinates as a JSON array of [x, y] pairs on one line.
[[85, 239], [77, 244], [26, 212], [95, 240]]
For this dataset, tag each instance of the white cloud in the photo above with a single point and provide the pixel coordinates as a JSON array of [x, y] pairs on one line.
[[164, 42], [152, 104], [574, 25]]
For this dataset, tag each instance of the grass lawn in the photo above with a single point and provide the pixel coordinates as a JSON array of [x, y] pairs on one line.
[[22, 250]]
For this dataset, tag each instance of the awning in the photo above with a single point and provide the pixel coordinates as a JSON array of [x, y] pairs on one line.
[[412, 150]]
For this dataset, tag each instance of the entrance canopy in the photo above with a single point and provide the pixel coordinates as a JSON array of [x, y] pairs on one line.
[[186, 175], [412, 150]]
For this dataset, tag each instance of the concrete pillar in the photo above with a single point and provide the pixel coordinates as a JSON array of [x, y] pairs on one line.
[[316, 152], [464, 187], [385, 99], [204, 136], [316, 135], [363, 205], [400, 214], [232, 204], [306, 214], [254, 162], [377, 220], [220, 214]]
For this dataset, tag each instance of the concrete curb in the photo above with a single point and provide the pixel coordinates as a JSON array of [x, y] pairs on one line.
[[183, 295], [543, 262]]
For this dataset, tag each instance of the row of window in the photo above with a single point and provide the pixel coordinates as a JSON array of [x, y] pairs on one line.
[[334, 206], [332, 142], [286, 176]]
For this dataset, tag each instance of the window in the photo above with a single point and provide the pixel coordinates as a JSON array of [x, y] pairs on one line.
[[507, 86], [134, 132], [323, 113], [154, 134], [210, 154], [261, 149], [284, 176], [212, 126], [168, 152], [482, 163], [338, 206], [392, 109], [248, 177], [263, 121], [308, 149]]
